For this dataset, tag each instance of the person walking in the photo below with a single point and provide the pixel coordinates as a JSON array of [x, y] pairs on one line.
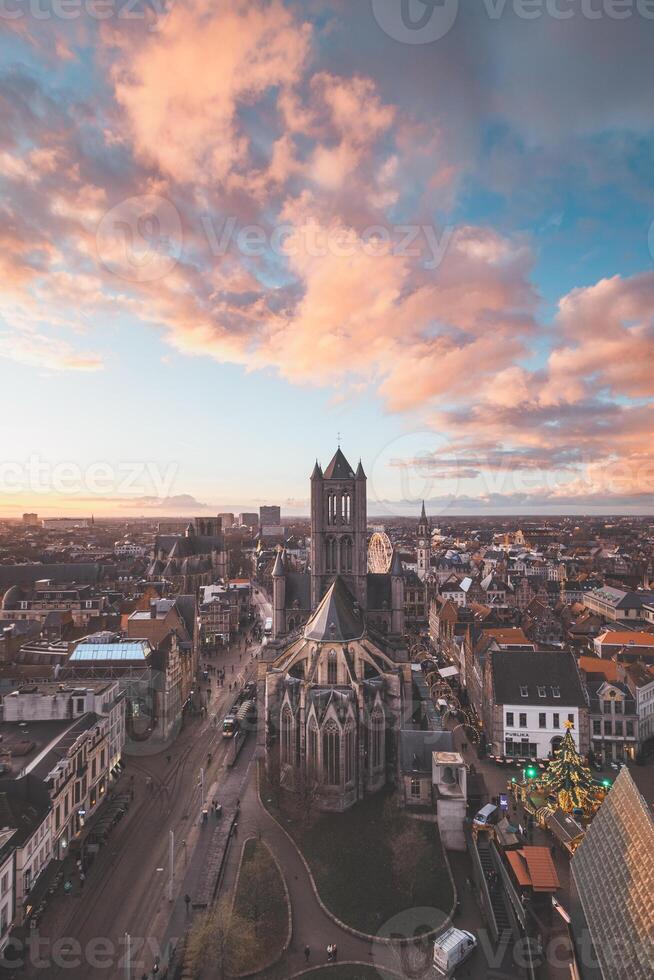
[[187, 900], [307, 953], [334, 952]]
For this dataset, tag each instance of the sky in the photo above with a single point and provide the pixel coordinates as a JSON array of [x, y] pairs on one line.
[[231, 234]]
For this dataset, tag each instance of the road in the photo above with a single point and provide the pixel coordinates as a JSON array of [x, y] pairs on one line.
[[82, 935]]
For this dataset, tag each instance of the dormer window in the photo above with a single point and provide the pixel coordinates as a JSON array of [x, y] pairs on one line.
[[542, 692], [556, 692], [524, 692]]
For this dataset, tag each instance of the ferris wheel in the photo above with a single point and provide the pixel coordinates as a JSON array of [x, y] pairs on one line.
[[380, 553]]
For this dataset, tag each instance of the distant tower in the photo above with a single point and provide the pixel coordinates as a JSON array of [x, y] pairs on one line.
[[279, 595], [338, 529], [397, 595], [424, 544]]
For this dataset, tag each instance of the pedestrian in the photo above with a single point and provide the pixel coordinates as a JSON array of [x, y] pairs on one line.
[[307, 953], [187, 900], [82, 878], [334, 951], [329, 953]]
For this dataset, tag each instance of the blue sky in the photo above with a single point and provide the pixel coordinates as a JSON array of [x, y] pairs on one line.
[[490, 348]]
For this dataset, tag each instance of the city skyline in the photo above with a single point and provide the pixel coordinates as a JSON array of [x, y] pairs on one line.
[[347, 226]]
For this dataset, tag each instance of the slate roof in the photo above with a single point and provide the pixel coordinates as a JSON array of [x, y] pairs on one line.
[[416, 748], [79, 572], [337, 618], [379, 590], [298, 588], [515, 669], [339, 468]]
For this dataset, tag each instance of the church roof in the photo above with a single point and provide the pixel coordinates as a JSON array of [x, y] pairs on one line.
[[337, 617], [396, 567], [278, 568], [339, 468]]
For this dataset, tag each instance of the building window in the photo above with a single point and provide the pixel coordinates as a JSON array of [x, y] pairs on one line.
[[571, 719], [523, 720], [618, 728], [331, 754], [349, 753], [607, 728], [287, 736], [630, 729], [597, 728], [556, 692], [524, 692], [346, 554], [509, 719], [618, 707], [313, 749], [555, 720], [542, 693], [377, 753], [332, 668], [4, 884], [542, 720], [415, 788]]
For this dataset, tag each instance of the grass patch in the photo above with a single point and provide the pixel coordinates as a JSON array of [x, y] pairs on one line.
[[261, 902], [371, 862]]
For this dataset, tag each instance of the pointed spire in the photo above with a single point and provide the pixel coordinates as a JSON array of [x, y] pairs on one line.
[[360, 475], [396, 564], [317, 472], [423, 514], [278, 568], [339, 468]]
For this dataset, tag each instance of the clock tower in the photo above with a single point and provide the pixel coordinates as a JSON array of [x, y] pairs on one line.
[[424, 544]]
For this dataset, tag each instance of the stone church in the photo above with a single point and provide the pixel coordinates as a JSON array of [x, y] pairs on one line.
[[337, 665], [339, 546]]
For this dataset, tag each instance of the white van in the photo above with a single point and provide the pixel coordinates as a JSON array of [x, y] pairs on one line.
[[488, 814], [452, 948]]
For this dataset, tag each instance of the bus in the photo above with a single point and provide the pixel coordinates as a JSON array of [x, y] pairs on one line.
[[267, 627]]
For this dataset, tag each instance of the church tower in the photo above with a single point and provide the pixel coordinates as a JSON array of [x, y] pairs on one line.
[[338, 529], [424, 544]]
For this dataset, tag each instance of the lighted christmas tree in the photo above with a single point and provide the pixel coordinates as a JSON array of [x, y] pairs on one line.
[[568, 777]]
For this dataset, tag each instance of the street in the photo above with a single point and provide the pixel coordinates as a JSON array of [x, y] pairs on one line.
[[126, 891]]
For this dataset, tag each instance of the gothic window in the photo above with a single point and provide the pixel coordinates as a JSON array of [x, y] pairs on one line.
[[331, 754], [287, 736], [312, 758], [330, 555], [346, 506], [349, 753], [332, 668], [346, 554], [377, 739]]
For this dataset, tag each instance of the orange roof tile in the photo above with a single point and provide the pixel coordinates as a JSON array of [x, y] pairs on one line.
[[596, 665], [533, 867], [626, 638]]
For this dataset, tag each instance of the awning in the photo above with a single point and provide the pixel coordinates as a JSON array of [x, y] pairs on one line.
[[533, 868], [36, 894]]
